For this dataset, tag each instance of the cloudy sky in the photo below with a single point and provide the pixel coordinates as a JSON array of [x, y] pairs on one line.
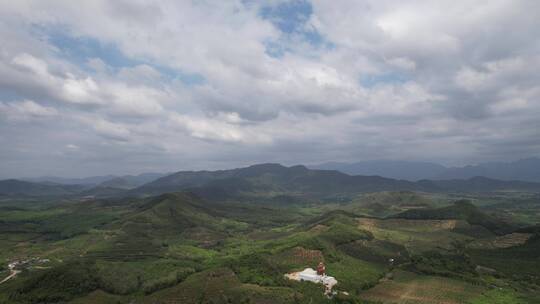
[[94, 87]]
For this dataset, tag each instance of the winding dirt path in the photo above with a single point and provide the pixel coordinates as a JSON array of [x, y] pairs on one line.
[[11, 276]]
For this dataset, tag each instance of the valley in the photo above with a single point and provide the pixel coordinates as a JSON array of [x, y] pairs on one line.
[[232, 239]]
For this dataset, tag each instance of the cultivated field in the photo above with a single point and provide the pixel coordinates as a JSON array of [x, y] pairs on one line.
[[409, 288]]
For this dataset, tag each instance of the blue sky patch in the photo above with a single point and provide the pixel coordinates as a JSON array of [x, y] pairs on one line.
[[187, 78], [79, 49], [370, 81], [290, 18], [274, 49]]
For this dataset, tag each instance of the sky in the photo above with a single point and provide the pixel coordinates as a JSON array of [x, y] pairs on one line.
[[123, 87]]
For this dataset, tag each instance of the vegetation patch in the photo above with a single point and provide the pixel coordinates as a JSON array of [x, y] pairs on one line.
[[503, 241], [410, 288], [58, 284]]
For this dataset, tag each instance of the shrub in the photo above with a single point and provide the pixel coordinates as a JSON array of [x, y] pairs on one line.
[[61, 283], [167, 281], [433, 262]]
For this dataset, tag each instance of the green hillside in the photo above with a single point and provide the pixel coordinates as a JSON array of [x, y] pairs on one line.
[[182, 248], [460, 210]]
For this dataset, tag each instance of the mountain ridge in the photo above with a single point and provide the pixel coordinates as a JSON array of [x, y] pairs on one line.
[[299, 180], [104, 180], [14, 187], [266, 182], [526, 169]]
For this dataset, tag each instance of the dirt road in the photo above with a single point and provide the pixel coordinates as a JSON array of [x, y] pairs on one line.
[[10, 276]]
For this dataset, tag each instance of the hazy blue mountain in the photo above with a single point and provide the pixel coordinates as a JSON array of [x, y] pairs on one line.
[[131, 181], [91, 180], [477, 184], [523, 169], [113, 181], [407, 170], [13, 187]]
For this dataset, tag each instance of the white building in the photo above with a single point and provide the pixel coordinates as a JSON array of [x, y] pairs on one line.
[[310, 275]]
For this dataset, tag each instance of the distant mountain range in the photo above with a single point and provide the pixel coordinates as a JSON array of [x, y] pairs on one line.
[[406, 170], [113, 181], [268, 181], [524, 170], [131, 181], [262, 183], [13, 187], [97, 186], [91, 180]]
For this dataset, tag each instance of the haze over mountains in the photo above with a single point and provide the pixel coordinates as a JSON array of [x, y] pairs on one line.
[[407, 170], [524, 169], [265, 181], [114, 181], [527, 169]]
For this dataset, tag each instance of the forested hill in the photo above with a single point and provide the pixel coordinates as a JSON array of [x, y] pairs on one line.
[[267, 182], [299, 180]]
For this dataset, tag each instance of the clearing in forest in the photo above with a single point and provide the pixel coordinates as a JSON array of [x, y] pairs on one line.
[[410, 288]]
